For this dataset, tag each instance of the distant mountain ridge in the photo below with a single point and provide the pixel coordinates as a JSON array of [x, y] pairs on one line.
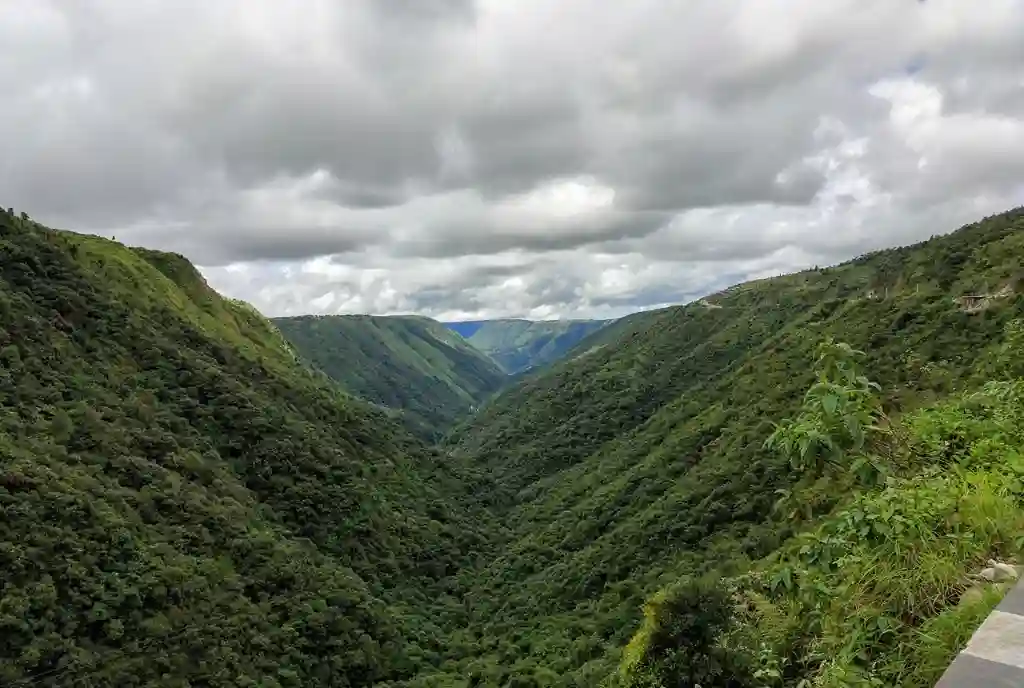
[[466, 328], [518, 345], [411, 364]]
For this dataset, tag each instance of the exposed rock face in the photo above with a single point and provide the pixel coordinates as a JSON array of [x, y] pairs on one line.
[[999, 572]]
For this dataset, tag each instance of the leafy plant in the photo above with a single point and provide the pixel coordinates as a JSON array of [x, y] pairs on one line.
[[839, 411]]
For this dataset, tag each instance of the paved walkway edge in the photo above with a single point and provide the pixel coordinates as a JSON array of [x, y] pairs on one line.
[[994, 656]]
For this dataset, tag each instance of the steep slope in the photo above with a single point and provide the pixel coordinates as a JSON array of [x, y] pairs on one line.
[[465, 328], [407, 363], [518, 345], [182, 503], [640, 458], [904, 526]]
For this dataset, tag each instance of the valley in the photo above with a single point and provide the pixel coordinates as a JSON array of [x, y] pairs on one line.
[[519, 346], [413, 366], [194, 495]]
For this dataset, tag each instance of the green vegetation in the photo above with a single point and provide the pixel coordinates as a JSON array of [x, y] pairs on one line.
[[407, 363], [791, 484], [640, 461], [878, 592], [521, 345], [181, 504]]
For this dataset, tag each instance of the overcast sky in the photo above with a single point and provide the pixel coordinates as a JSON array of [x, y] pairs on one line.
[[537, 158]]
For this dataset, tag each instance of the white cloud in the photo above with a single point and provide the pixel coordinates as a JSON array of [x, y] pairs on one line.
[[463, 158]]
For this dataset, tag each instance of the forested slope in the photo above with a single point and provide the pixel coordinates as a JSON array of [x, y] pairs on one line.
[[182, 503], [640, 459], [519, 345], [408, 363]]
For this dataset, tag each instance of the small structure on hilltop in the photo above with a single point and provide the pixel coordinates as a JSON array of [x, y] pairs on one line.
[[974, 303]]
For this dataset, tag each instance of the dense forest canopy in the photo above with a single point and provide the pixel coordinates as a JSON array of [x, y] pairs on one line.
[[790, 483], [639, 459], [184, 504]]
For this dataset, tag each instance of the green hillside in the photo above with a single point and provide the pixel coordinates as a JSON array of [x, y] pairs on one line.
[[518, 345], [407, 363], [794, 483], [639, 462], [181, 503]]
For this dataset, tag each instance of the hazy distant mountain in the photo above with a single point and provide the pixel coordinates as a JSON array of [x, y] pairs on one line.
[[518, 345], [408, 363]]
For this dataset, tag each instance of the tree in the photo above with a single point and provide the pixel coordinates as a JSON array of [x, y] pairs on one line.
[[679, 643], [62, 427]]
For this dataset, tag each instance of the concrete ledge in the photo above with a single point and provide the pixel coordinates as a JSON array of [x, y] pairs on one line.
[[994, 656]]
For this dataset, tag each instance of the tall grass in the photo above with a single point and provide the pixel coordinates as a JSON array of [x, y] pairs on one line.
[[878, 586]]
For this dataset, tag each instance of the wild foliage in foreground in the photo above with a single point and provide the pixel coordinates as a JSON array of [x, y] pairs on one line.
[[640, 459], [879, 592]]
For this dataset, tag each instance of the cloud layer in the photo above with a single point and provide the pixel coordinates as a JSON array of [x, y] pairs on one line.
[[474, 159]]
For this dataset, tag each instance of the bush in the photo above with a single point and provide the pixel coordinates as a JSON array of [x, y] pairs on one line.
[[679, 643]]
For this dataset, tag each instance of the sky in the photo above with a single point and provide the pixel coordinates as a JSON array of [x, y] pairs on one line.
[[471, 159]]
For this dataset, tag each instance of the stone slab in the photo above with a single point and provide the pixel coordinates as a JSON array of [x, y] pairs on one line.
[[968, 671]]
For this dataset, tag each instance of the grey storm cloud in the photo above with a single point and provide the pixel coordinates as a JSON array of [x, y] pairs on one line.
[[467, 158]]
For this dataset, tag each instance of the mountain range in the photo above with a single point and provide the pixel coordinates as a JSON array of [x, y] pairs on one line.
[[412, 365], [792, 482], [521, 345]]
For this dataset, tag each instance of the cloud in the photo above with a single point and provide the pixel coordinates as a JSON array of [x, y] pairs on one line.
[[470, 159]]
